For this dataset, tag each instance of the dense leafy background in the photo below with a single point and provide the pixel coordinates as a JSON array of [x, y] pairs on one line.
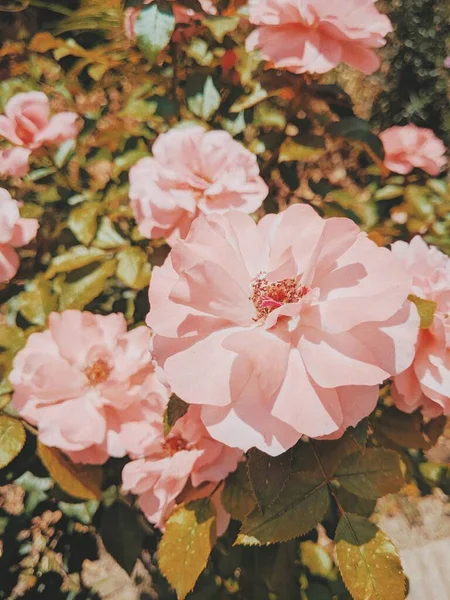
[[316, 143]]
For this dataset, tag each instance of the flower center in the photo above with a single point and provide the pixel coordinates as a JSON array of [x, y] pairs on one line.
[[174, 444], [98, 371], [267, 296]]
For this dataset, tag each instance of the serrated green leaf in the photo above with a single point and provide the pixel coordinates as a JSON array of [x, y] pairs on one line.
[[268, 475], [82, 221], [368, 561], [426, 310], [133, 267], [203, 99], [355, 504], [237, 495], [409, 430], [12, 439], [76, 258], [371, 474], [77, 480], [78, 294], [122, 534], [153, 28], [300, 506], [190, 534], [38, 301], [176, 408]]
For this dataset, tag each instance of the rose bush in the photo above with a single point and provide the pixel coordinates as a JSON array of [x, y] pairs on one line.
[[225, 301]]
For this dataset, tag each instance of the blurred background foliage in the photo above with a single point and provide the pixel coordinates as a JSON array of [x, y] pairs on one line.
[[316, 141]]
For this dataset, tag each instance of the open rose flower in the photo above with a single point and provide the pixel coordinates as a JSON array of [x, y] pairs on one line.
[[88, 385], [409, 147], [282, 328], [184, 16], [187, 455], [27, 124], [14, 232], [314, 36], [192, 171], [426, 383]]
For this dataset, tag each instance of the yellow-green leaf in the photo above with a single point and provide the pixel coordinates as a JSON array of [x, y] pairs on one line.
[[76, 258], [79, 481], [426, 310], [133, 267], [300, 506], [107, 236], [79, 293], [237, 495], [220, 26], [372, 473], [12, 439], [38, 301], [302, 149], [316, 558], [186, 544], [203, 98], [368, 561], [82, 221]]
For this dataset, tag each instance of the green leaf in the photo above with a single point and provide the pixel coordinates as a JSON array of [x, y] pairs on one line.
[[186, 544], [82, 221], [176, 408], [107, 236], [76, 258], [133, 267], [12, 439], [300, 506], [302, 148], [409, 430], [355, 504], [122, 534], [436, 475], [359, 130], [418, 197], [258, 95], [153, 28], [78, 294], [268, 475], [237, 495], [371, 474], [221, 26], [316, 558], [203, 99], [77, 480], [368, 561], [388, 192], [63, 152], [426, 310], [38, 301]]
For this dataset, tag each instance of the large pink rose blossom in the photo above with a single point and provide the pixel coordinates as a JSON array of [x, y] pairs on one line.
[[426, 383], [14, 162], [183, 16], [280, 329], [192, 172], [27, 124], [314, 36], [88, 385], [409, 147], [187, 455], [14, 232]]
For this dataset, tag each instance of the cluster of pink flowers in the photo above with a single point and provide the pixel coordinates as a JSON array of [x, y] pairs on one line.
[[27, 125], [14, 232]]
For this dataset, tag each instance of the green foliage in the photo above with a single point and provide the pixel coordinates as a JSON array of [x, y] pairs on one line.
[[122, 534]]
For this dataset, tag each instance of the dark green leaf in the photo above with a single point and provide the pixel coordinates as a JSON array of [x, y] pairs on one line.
[[176, 409], [357, 129], [268, 475], [237, 495], [122, 534]]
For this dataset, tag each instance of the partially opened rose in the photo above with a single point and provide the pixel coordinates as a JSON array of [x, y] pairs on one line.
[[14, 233], [426, 383], [314, 36], [412, 147], [88, 385], [192, 172], [27, 124], [280, 329], [187, 454]]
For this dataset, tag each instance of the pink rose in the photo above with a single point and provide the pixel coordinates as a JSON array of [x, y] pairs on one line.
[[280, 329], [14, 232], [409, 147], [426, 383], [14, 162], [26, 123], [183, 16], [89, 385], [187, 455], [314, 36], [192, 171]]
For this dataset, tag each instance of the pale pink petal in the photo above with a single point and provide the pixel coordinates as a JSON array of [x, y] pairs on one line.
[[9, 263], [61, 127], [14, 162], [24, 231]]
